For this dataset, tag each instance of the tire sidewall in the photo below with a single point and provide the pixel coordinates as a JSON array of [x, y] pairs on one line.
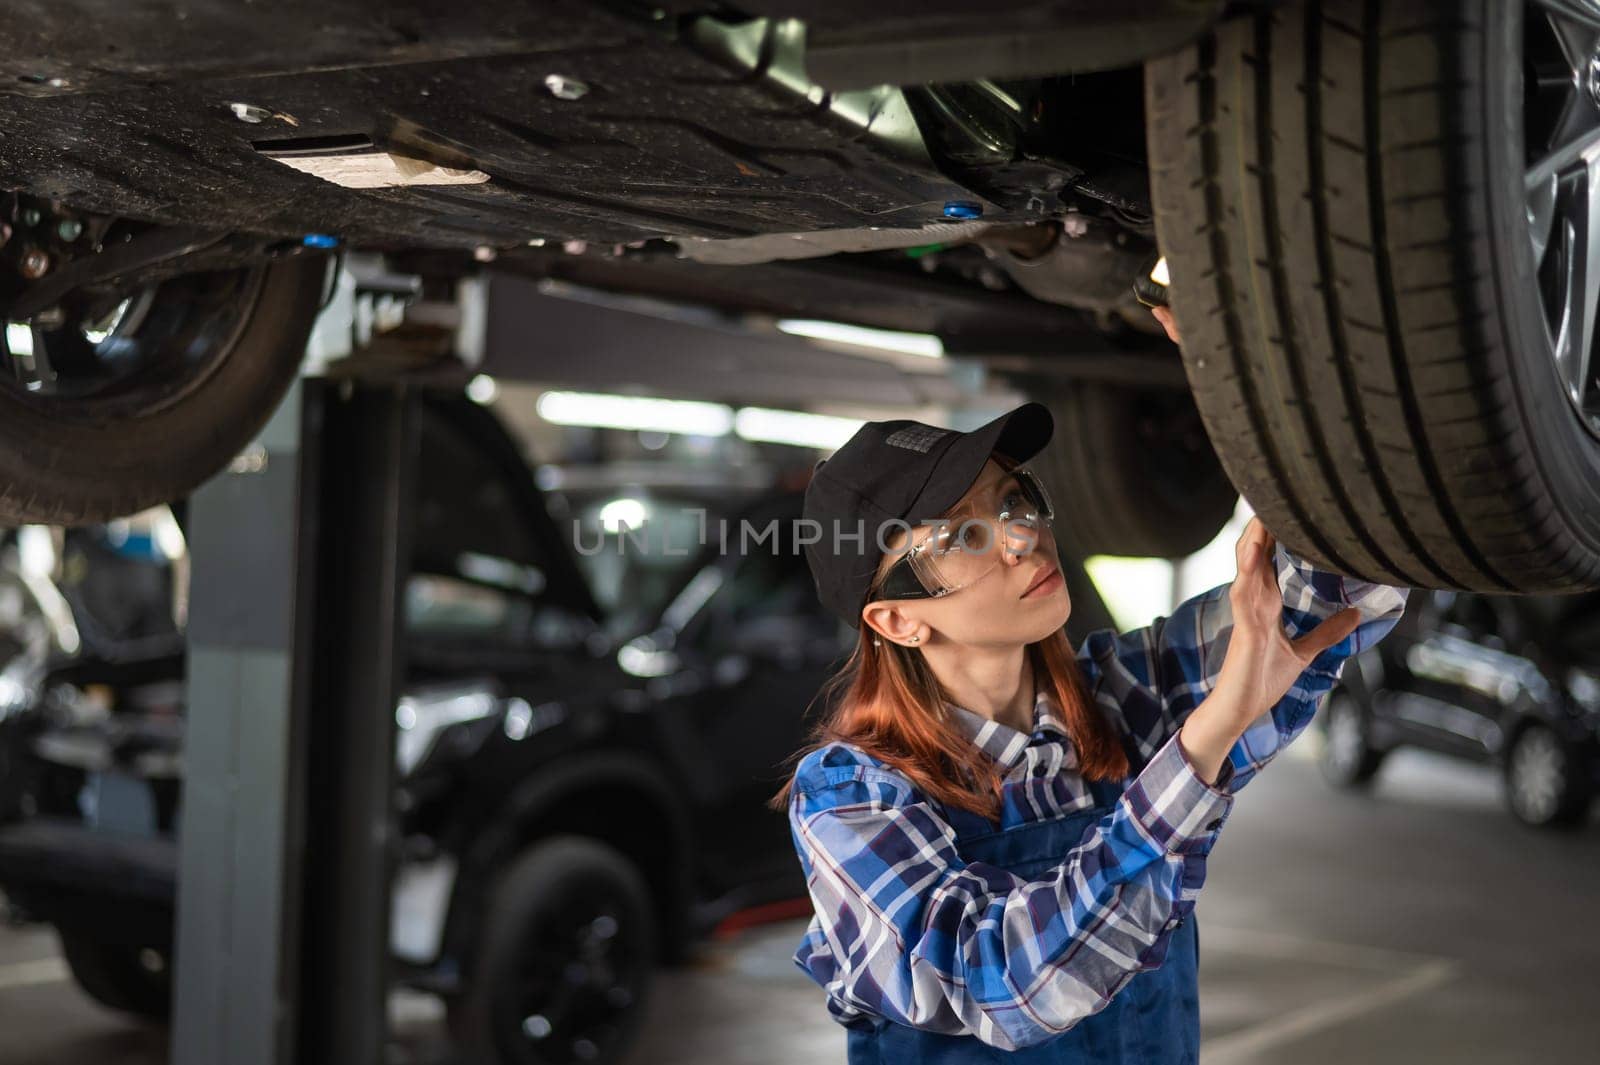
[[1096, 453], [136, 462], [111, 974], [524, 895]]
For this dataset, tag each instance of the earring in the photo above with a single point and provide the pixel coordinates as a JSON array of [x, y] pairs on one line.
[[915, 638], [877, 641]]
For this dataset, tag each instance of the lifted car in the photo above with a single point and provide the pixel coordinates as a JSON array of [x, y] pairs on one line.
[[1378, 220]]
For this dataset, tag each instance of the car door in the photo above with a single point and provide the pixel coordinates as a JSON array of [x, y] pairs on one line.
[[751, 661]]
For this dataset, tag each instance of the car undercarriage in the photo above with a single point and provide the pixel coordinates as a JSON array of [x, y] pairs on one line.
[[1322, 188]]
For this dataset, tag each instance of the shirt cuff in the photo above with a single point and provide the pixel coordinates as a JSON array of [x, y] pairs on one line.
[[1178, 809]]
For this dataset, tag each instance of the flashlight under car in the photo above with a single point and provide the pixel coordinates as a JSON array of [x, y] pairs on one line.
[[1150, 285]]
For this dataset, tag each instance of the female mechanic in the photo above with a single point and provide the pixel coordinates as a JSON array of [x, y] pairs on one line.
[[1003, 836]]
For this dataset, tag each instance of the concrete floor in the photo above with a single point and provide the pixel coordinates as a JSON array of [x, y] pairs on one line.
[[1417, 925]]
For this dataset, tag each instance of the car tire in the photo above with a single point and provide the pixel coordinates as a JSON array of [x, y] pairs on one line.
[[1347, 759], [569, 909], [1543, 786], [1366, 303], [131, 979], [71, 461], [1142, 457]]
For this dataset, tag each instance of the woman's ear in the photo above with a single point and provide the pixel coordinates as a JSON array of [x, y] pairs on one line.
[[890, 622]]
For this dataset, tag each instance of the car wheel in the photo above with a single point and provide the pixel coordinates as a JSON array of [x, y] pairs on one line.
[[1380, 224], [565, 956], [1542, 785], [1142, 456], [1347, 759], [132, 979], [116, 408]]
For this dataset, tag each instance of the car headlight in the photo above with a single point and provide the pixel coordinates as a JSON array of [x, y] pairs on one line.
[[14, 695], [1584, 687], [424, 718]]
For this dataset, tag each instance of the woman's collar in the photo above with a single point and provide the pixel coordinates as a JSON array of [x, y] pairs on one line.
[[1003, 743]]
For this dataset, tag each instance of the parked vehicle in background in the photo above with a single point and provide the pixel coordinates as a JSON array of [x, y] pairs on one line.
[[1512, 681], [573, 804]]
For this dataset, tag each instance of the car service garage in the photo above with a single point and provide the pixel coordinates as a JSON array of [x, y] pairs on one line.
[[426, 633]]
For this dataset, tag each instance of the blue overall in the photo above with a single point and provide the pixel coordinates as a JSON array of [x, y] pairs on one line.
[[1153, 1020]]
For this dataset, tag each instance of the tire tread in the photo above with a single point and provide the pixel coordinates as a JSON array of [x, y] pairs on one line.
[[1328, 280]]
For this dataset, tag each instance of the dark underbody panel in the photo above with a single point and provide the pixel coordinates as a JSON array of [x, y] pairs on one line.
[[126, 108], [635, 129]]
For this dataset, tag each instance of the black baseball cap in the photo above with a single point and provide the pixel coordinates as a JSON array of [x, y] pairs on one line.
[[899, 471]]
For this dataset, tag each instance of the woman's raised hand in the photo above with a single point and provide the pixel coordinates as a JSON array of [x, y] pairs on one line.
[[1262, 662]]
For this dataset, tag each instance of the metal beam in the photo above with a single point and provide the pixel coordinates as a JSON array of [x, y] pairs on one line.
[[367, 505], [531, 336]]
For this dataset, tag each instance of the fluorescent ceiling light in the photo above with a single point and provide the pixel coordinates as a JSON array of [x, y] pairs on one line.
[[604, 411], [794, 427], [925, 344]]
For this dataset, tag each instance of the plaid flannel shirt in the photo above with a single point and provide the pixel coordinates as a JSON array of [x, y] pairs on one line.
[[904, 928]]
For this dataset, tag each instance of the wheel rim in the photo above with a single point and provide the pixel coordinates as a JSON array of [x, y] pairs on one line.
[[141, 355], [1561, 183], [1346, 738], [109, 349], [577, 980], [1537, 775]]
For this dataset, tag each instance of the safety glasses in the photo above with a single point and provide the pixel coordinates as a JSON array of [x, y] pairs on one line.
[[967, 545]]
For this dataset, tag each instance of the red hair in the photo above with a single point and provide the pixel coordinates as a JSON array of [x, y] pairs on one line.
[[892, 708]]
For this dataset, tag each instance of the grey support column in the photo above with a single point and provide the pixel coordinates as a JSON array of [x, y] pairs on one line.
[[299, 559], [239, 854]]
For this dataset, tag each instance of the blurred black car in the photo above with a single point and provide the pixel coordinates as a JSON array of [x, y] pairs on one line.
[[574, 802], [1508, 680]]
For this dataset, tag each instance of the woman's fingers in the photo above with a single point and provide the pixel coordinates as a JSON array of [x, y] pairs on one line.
[[1268, 572], [1329, 632], [1242, 549], [1253, 552], [1164, 316], [1255, 545]]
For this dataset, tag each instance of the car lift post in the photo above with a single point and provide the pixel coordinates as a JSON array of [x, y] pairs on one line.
[[299, 554]]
